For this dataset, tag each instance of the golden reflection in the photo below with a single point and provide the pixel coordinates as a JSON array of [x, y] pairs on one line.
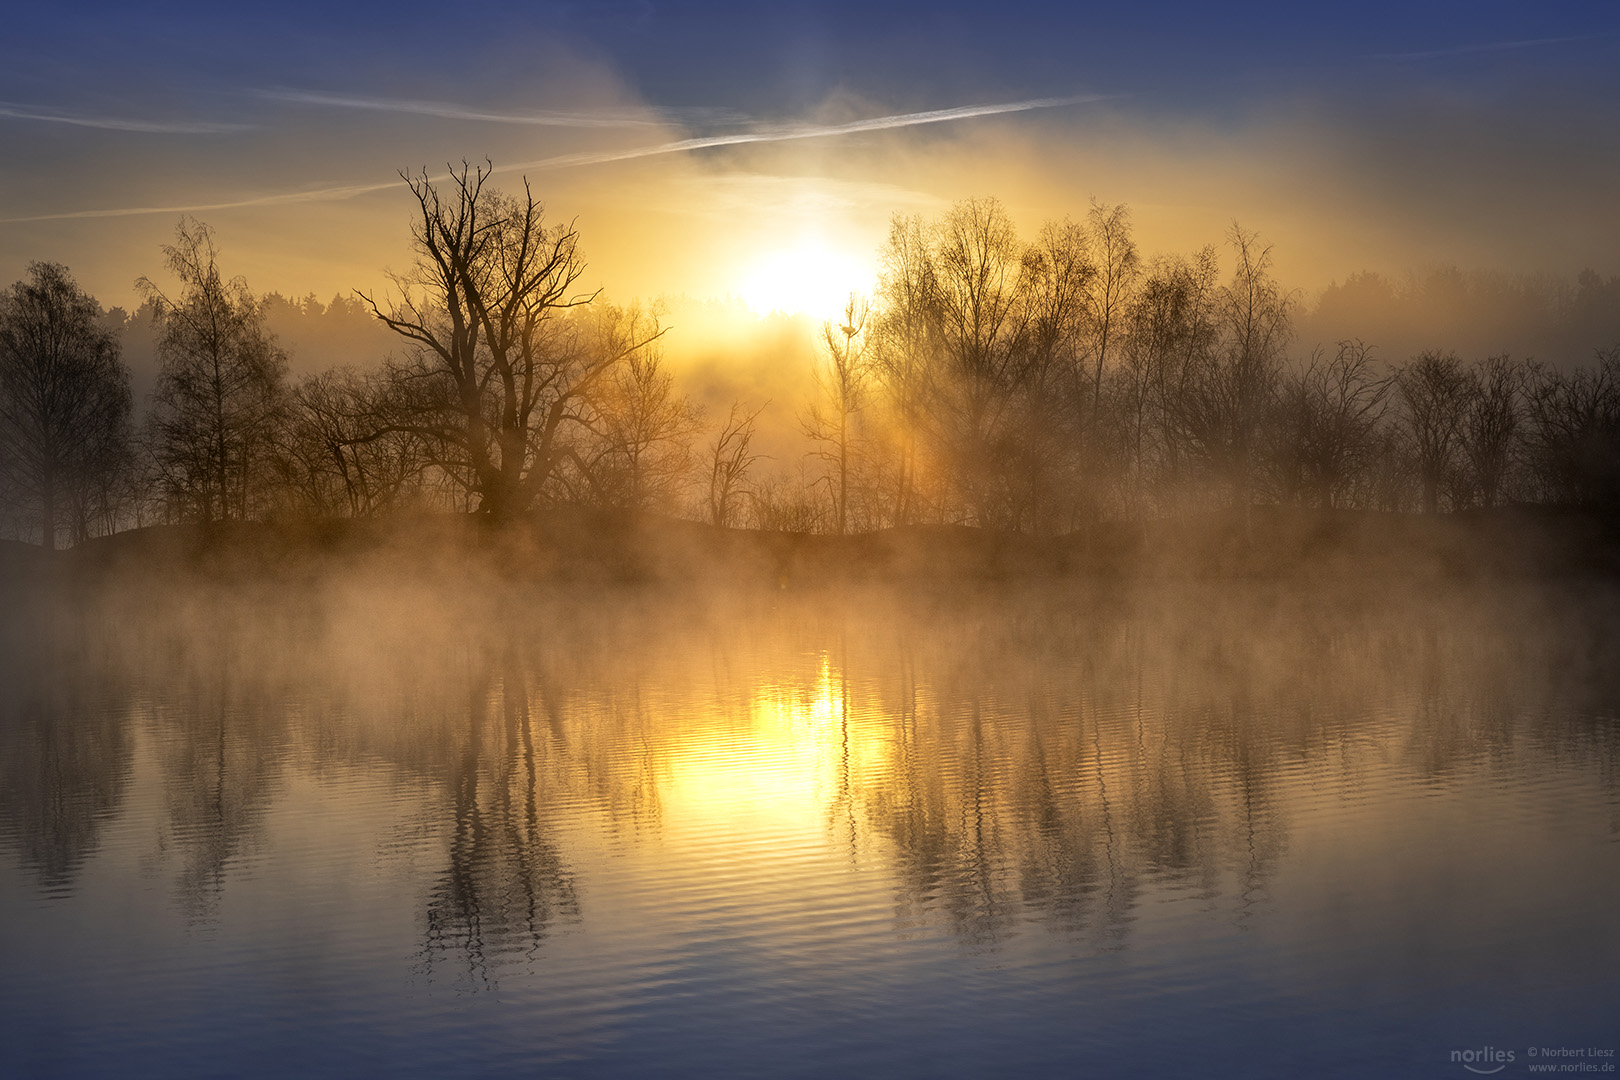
[[982, 762], [791, 755]]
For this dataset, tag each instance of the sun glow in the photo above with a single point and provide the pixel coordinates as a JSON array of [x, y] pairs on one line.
[[808, 278], [782, 760]]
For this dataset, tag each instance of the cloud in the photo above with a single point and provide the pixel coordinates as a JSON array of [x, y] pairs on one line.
[[758, 133], [322, 194], [768, 133], [598, 118], [116, 123], [1470, 50]]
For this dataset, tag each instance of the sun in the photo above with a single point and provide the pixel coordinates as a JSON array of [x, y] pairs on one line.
[[808, 278]]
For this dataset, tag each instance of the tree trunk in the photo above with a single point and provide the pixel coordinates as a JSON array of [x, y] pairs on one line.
[[47, 514]]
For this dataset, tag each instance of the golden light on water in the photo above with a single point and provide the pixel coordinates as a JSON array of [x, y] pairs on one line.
[[780, 762]]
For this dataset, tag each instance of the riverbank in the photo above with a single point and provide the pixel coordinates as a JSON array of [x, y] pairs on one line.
[[584, 545]]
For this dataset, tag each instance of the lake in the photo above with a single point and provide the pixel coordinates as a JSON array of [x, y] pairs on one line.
[[1175, 828]]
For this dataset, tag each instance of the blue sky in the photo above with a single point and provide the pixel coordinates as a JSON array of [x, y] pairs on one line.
[[1368, 135]]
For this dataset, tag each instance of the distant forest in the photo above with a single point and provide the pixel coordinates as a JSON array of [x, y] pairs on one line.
[[1013, 383]]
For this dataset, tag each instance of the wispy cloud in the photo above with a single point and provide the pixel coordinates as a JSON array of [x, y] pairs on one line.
[[596, 118], [115, 123], [766, 133], [759, 133], [1486, 47], [333, 193]]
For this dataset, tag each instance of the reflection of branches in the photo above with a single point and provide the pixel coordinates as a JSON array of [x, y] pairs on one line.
[[64, 761], [1011, 759], [222, 764], [506, 883]]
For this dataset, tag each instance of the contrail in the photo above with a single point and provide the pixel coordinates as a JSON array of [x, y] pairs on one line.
[[787, 132], [116, 123], [758, 134], [325, 194], [445, 110], [1487, 47]]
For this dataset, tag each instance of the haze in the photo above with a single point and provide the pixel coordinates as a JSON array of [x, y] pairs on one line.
[[1368, 138]]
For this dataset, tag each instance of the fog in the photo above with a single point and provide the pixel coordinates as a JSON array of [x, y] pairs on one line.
[[712, 539], [1024, 751]]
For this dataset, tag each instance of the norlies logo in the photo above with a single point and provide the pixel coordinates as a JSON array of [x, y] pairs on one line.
[[1484, 1061]]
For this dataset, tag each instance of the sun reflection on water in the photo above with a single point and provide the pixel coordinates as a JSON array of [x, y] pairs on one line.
[[784, 757]]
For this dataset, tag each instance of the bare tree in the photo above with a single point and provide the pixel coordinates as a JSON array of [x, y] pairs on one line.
[[1171, 334], [901, 336], [978, 262], [335, 458], [1492, 428], [1574, 431], [841, 385], [642, 453], [219, 392], [1117, 266], [1058, 274], [952, 343], [730, 459], [497, 376], [1327, 420], [1434, 392], [64, 397], [1223, 397]]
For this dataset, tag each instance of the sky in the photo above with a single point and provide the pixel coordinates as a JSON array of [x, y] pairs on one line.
[[714, 149]]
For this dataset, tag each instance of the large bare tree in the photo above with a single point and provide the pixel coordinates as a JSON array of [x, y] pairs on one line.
[[64, 394], [497, 375]]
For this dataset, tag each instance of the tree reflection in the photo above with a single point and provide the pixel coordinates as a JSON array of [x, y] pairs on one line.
[[222, 739], [506, 882], [1064, 757], [64, 756]]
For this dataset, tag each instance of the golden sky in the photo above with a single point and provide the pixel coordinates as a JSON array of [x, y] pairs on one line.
[[706, 152]]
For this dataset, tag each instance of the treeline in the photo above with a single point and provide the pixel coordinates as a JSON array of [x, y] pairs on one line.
[[1476, 312], [1036, 385]]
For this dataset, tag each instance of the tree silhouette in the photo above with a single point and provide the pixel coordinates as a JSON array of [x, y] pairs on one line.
[[1116, 268], [1223, 395], [496, 375], [1328, 418], [64, 395], [1434, 392], [730, 459], [641, 455], [1491, 429], [841, 385], [219, 396], [1575, 431]]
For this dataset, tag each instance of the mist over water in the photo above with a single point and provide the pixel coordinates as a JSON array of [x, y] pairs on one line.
[[428, 825]]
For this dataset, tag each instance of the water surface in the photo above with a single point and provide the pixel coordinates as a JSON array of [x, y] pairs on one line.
[[1172, 829]]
